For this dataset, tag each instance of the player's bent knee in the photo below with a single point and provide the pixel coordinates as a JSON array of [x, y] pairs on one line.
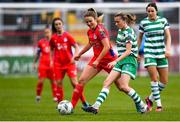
[[123, 88], [82, 82]]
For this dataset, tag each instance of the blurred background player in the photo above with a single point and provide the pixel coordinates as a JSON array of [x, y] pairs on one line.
[[62, 58], [141, 70], [157, 49], [124, 66], [103, 53], [44, 70]]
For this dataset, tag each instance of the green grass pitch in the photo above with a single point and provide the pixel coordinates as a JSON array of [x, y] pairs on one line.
[[17, 101]]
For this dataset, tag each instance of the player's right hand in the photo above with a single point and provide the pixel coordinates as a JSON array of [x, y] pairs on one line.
[[77, 57], [167, 54], [34, 66], [139, 58]]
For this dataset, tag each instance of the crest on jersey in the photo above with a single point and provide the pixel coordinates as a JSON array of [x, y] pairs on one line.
[[65, 40], [162, 24], [95, 37]]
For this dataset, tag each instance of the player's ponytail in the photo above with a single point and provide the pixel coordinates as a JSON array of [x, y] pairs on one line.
[[91, 12], [92, 9], [130, 19], [100, 15]]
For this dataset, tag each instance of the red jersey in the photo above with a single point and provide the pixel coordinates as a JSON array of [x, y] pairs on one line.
[[43, 45], [62, 45], [95, 37]]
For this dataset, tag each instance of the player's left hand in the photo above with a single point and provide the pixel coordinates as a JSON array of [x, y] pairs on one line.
[[111, 64], [95, 64], [167, 54]]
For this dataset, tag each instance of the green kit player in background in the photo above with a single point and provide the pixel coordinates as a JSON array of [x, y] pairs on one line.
[[156, 52]]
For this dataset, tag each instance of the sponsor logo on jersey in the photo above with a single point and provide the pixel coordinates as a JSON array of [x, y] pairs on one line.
[[59, 46], [47, 50]]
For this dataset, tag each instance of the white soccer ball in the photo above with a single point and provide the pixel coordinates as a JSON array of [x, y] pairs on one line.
[[65, 107]]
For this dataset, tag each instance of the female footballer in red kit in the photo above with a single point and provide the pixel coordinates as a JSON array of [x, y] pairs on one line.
[[62, 58], [103, 53], [44, 69]]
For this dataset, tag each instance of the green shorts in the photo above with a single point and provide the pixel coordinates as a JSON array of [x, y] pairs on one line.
[[160, 63], [127, 66]]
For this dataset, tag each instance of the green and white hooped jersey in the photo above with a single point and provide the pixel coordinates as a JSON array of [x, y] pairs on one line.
[[154, 46], [124, 36]]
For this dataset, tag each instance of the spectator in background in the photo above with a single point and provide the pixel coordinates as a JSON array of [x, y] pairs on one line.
[[44, 69], [24, 26]]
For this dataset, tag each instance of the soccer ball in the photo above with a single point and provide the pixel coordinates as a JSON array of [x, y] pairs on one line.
[[65, 107]]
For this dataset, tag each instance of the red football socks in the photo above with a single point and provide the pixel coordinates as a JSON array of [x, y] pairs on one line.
[[83, 99], [77, 93], [60, 93], [54, 88], [39, 89]]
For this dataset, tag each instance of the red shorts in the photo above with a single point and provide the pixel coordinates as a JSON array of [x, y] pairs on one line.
[[46, 73], [102, 64], [69, 69]]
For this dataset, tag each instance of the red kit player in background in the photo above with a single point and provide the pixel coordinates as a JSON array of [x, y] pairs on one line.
[[62, 58], [44, 70], [103, 53]]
